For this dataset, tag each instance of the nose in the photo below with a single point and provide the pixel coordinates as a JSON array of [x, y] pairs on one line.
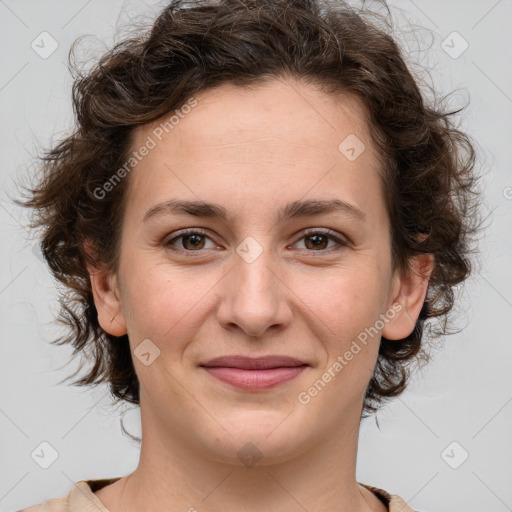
[[254, 297]]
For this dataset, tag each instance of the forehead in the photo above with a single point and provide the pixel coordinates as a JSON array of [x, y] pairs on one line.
[[281, 136], [296, 111]]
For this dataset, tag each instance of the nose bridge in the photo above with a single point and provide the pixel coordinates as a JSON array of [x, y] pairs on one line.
[[254, 298], [255, 279]]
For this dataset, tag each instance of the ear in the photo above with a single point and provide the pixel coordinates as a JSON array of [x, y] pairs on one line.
[[409, 290], [106, 295]]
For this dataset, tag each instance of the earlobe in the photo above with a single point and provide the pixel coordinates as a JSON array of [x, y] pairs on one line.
[[107, 299], [412, 289]]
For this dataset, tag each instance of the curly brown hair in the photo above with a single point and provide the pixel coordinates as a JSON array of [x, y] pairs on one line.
[[427, 163]]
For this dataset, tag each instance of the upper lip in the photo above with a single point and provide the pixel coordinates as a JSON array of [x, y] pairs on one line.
[[253, 363]]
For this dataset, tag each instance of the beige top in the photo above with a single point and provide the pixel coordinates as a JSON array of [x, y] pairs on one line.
[[82, 499]]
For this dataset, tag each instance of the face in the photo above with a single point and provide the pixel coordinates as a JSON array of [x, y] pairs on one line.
[[265, 280]]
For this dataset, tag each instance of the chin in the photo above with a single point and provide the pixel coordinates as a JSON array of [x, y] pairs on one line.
[[256, 443]]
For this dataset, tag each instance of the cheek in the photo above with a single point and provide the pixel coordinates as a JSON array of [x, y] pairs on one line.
[[343, 299], [161, 301], [344, 310]]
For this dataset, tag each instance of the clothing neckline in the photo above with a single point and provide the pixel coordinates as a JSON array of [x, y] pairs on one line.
[[85, 489]]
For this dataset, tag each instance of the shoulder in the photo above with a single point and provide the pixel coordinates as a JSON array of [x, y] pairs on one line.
[[53, 505], [394, 502], [79, 499]]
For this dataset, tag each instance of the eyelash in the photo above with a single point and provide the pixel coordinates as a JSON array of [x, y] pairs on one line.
[[312, 231]]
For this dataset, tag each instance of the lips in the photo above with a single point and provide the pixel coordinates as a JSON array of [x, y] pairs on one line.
[[254, 374], [250, 363]]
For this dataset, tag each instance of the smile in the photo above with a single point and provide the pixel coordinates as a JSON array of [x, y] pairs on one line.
[[254, 374], [255, 379]]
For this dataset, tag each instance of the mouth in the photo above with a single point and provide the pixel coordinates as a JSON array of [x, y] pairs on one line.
[[253, 374]]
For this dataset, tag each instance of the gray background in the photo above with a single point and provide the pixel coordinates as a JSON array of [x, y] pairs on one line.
[[463, 396]]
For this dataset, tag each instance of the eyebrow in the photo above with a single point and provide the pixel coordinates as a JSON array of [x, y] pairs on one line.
[[293, 210]]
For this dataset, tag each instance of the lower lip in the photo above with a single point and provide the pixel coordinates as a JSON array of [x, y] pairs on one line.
[[255, 379]]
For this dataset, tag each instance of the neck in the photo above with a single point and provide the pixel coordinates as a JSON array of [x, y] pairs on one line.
[[174, 472]]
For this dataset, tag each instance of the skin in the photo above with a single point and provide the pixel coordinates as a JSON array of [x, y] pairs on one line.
[[254, 150]]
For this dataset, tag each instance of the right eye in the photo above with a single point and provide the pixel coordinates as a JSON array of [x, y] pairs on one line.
[[192, 240]]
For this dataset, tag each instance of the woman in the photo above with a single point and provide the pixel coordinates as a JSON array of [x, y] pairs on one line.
[[254, 218]]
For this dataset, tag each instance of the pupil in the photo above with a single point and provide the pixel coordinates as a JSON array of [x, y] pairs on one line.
[[317, 240], [196, 240]]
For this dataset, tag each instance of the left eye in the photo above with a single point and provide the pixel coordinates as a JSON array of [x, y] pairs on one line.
[[190, 240], [195, 241], [319, 239]]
